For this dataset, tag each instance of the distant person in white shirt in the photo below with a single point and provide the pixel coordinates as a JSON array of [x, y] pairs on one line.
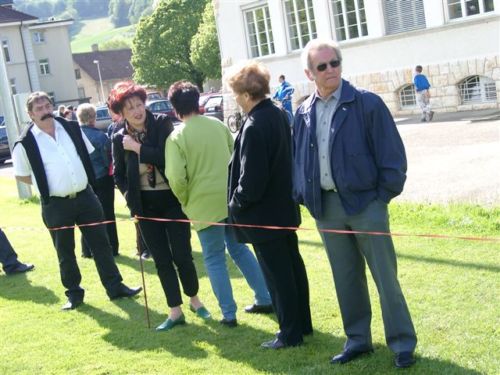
[[54, 155]]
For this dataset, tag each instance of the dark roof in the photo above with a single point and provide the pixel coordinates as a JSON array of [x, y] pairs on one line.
[[114, 64], [8, 15]]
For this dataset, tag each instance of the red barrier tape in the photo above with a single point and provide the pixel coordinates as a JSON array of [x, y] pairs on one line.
[[273, 227]]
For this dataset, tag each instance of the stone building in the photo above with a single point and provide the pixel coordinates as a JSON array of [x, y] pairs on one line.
[[456, 41]]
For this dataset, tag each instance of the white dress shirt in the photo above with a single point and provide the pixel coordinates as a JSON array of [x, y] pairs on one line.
[[63, 167]]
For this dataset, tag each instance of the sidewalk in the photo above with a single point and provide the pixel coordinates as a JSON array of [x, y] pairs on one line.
[[472, 116]]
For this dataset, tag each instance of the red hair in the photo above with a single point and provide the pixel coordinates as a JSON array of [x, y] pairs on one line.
[[122, 92]]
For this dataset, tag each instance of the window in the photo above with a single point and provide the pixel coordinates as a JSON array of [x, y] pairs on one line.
[[260, 34], [349, 19], [44, 66], [478, 89], [300, 22], [13, 88], [81, 92], [464, 8], [403, 15], [5, 46], [407, 97], [78, 74], [38, 37]]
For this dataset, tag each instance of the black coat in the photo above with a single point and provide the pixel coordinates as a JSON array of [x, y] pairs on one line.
[[260, 175], [126, 163]]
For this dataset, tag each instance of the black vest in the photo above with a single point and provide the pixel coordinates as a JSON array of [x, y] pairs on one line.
[[33, 153]]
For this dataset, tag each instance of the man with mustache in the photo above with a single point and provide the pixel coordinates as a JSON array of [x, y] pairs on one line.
[[53, 154], [349, 162]]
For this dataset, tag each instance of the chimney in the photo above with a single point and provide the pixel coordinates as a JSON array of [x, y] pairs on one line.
[[95, 47]]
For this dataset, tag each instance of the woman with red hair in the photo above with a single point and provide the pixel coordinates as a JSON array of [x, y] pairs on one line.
[[139, 170]]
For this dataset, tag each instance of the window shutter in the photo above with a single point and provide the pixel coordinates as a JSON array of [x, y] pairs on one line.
[[403, 15]]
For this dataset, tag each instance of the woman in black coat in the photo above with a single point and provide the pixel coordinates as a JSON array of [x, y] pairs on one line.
[[260, 193], [139, 170]]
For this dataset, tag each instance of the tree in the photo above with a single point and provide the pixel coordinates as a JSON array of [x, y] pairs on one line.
[[118, 12], [205, 51], [161, 50], [115, 43], [138, 8]]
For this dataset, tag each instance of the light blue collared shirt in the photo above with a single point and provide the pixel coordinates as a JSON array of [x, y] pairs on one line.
[[325, 109]]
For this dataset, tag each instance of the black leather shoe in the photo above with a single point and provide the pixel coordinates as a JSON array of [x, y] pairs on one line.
[[231, 323], [71, 304], [273, 344], [259, 309], [348, 356], [125, 291], [20, 268], [404, 359]]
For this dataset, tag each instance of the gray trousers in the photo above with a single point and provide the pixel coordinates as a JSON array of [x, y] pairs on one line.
[[347, 254]]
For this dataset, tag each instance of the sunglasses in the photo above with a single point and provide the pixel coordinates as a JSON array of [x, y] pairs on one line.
[[333, 64]]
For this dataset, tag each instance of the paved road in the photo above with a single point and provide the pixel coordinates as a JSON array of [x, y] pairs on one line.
[[447, 161], [453, 161]]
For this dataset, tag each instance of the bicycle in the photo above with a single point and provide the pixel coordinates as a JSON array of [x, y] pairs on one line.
[[236, 121]]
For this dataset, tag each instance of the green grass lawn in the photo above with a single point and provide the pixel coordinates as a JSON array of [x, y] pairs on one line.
[[451, 286], [99, 31]]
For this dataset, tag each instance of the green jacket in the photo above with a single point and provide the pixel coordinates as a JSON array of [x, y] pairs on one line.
[[197, 155]]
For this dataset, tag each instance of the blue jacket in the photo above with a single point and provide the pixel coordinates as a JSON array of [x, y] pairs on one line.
[[368, 158], [101, 157], [284, 95], [421, 83]]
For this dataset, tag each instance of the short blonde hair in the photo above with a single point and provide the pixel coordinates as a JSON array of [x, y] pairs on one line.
[[86, 114], [252, 78]]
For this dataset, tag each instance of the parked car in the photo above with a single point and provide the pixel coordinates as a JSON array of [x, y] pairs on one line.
[[214, 107], [4, 144], [203, 100], [162, 106], [103, 118], [155, 95]]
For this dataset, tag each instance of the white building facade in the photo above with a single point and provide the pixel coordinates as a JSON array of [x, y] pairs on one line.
[[456, 41]]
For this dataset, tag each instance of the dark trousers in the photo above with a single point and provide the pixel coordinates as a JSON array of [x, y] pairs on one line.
[[348, 255], [286, 279], [8, 256], [83, 209], [169, 244], [104, 188]]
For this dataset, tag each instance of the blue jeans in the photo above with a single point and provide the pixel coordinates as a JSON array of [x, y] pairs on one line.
[[214, 240]]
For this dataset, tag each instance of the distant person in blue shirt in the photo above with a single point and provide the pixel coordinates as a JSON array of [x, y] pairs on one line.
[[422, 86], [284, 95], [104, 186]]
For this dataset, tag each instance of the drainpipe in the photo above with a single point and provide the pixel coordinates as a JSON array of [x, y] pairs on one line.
[[25, 58]]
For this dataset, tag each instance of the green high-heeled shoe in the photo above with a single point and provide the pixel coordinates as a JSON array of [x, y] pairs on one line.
[[169, 323], [201, 312]]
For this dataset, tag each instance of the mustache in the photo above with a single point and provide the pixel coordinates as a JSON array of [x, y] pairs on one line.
[[46, 116]]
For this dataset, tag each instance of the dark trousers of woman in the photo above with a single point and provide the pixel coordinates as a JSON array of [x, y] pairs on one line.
[[104, 188], [286, 279], [169, 244]]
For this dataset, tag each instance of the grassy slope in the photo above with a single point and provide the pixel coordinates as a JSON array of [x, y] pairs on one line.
[[451, 287], [98, 31]]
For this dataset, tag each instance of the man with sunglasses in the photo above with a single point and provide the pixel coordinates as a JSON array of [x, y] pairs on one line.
[[349, 162]]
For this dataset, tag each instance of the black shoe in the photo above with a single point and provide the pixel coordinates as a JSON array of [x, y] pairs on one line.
[[87, 256], [404, 359], [125, 291], [20, 268], [348, 355], [231, 323], [259, 309], [273, 344], [72, 304], [145, 255]]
